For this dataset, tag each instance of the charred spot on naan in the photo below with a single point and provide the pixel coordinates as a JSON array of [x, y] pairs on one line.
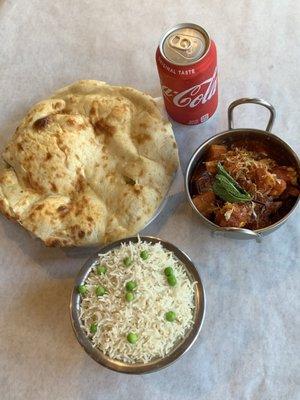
[[80, 184], [32, 183], [63, 210], [48, 156], [54, 242], [42, 123], [102, 127], [19, 147], [142, 138]]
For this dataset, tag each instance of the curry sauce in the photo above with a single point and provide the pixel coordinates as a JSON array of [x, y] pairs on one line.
[[272, 185]]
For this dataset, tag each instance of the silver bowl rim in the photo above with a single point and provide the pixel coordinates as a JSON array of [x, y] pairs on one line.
[[163, 202], [183, 345], [239, 131]]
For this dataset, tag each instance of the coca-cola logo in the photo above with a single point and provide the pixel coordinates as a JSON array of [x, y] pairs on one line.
[[195, 95]]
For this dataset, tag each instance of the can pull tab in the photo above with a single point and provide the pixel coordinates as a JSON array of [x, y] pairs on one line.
[[180, 42]]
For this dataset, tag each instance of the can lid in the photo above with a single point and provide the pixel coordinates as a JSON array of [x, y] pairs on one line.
[[185, 44]]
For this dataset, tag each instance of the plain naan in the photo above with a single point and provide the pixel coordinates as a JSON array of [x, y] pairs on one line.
[[89, 165]]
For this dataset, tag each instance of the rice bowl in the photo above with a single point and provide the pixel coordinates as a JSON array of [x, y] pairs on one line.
[[144, 328]]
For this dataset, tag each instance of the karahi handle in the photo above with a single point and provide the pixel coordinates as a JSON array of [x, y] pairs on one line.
[[238, 233], [257, 101]]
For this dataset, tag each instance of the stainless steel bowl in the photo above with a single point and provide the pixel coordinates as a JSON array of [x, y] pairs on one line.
[[232, 135], [180, 348]]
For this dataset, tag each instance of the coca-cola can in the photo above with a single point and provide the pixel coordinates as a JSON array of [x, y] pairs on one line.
[[186, 61]]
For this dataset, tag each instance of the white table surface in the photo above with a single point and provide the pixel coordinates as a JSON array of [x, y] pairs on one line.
[[249, 344]]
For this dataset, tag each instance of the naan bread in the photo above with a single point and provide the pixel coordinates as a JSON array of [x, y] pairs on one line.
[[89, 165]]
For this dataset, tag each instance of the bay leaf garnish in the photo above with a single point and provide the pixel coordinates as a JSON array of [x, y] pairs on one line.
[[227, 188]]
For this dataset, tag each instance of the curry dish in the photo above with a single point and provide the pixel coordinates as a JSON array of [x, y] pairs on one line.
[[258, 187]]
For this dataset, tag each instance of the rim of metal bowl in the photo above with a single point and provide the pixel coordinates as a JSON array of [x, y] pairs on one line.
[[179, 349], [162, 203]]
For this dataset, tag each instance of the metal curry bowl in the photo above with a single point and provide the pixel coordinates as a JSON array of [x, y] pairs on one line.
[[231, 135], [181, 347]]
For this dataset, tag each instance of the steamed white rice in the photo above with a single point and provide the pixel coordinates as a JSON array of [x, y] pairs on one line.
[[145, 315]]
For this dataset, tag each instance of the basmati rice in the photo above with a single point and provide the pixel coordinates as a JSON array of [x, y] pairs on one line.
[[145, 315]]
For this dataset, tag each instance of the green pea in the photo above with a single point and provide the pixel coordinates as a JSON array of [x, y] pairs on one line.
[[101, 270], [171, 280], [130, 286], [144, 254], [132, 337], [100, 291], [129, 296], [168, 271], [93, 328], [82, 289], [127, 261], [170, 316]]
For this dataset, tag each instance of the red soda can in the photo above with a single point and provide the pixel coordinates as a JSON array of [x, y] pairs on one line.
[[186, 61]]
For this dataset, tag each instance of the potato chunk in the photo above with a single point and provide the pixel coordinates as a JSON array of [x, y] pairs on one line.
[[288, 174], [234, 215], [215, 151], [211, 167], [204, 203], [278, 188]]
